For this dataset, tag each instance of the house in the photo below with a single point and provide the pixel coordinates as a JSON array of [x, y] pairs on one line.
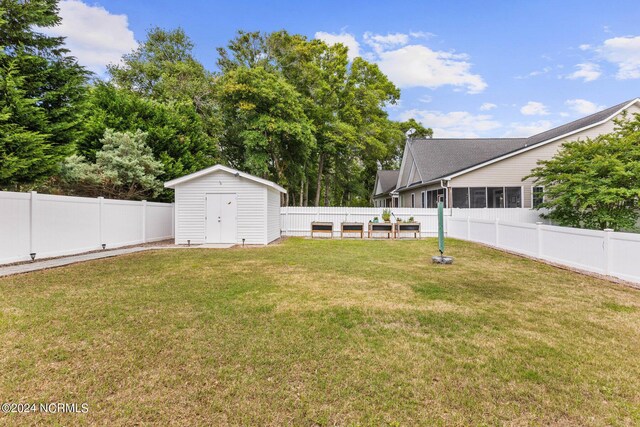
[[223, 205], [486, 172], [386, 181]]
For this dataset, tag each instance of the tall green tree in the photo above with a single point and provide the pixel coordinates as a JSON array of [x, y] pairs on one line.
[[265, 119], [175, 131], [595, 183], [344, 101], [41, 93], [164, 69]]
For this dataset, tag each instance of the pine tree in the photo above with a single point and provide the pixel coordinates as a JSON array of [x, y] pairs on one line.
[[41, 92]]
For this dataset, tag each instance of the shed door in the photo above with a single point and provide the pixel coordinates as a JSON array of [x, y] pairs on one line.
[[222, 212]]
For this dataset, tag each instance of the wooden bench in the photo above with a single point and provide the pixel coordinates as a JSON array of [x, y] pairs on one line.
[[352, 228], [408, 227], [381, 227], [322, 227]]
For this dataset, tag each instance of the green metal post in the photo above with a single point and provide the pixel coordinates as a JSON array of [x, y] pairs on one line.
[[441, 228]]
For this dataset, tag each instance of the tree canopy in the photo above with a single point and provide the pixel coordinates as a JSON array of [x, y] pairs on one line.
[[280, 106], [41, 94], [595, 183], [124, 168]]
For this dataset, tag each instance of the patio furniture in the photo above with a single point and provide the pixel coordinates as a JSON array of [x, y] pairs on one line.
[[322, 227], [381, 227], [352, 228], [408, 227]]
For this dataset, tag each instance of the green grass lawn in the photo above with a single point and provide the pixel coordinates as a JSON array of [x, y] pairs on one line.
[[321, 333]]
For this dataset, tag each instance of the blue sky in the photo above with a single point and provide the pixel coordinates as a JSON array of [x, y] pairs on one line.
[[467, 69]]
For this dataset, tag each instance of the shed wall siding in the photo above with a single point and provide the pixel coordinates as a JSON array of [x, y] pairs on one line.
[[273, 215], [509, 172], [191, 208]]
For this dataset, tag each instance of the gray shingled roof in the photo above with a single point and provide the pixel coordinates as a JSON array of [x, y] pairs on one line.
[[388, 180], [438, 157]]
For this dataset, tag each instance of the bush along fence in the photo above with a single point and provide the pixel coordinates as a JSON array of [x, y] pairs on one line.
[[36, 225], [605, 252]]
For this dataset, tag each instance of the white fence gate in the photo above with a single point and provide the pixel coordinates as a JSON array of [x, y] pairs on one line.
[[48, 226], [606, 252]]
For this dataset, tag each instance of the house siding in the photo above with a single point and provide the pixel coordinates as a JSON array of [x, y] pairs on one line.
[[191, 207], [273, 215], [509, 172], [406, 196]]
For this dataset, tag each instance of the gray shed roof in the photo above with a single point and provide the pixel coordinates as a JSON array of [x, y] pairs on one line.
[[388, 180], [437, 158]]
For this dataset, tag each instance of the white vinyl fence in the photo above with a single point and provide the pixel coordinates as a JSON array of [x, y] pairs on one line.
[[296, 221], [606, 252], [510, 214], [48, 226]]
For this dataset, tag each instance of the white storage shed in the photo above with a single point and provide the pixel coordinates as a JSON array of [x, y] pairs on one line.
[[223, 205]]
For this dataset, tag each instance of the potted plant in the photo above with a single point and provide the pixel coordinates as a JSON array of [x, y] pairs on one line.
[[375, 220], [399, 219], [386, 215], [411, 219]]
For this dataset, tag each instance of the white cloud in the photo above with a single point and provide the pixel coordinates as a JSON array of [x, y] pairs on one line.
[[521, 130], [411, 65], [345, 38], [583, 107], [381, 42], [426, 99], [419, 66], [533, 108], [455, 124], [584, 46], [421, 34], [93, 35], [625, 53], [534, 73], [587, 71], [488, 106]]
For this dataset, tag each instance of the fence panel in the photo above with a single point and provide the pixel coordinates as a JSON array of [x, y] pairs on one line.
[[483, 231], [122, 222], [624, 256], [573, 247], [513, 215], [458, 228], [296, 221], [49, 226], [15, 231], [159, 221], [64, 225], [518, 237]]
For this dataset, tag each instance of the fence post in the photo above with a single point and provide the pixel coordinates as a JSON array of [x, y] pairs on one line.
[[144, 221], [606, 250], [32, 232], [497, 223], [100, 220], [539, 239]]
